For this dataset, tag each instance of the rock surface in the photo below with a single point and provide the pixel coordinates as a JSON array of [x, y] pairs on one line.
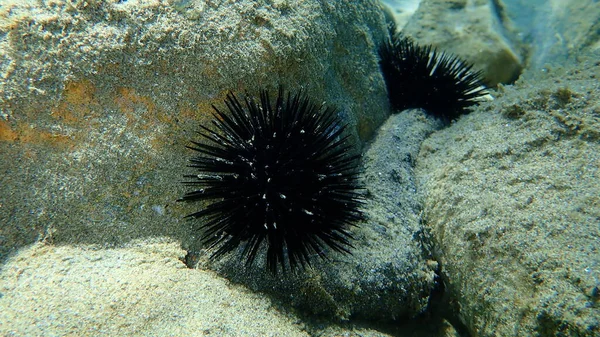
[[475, 30], [98, 100], [513, 203], [144, 290], [389, 274]]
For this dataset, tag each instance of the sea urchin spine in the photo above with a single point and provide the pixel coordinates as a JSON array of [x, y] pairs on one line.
[[282, 176], [421, 77]]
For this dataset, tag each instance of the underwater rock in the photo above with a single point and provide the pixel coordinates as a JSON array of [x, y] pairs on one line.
[[389, 274], [142, 290], [98, 100], [391, 245], [474, 30], [512, 201]]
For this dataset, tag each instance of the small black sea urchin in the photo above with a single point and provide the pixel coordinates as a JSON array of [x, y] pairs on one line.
[[283, 176], [421, 77]]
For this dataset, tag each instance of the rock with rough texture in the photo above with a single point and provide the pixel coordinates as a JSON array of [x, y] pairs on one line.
[[389, 274], [472, 29], [144, 290], [99, 98], [513, 204]]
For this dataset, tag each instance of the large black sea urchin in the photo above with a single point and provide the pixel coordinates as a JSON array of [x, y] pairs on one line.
[[283, 176], [421, 77]]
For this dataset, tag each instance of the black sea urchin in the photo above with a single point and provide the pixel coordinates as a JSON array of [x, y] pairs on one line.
[[421, 77], [284, 176]]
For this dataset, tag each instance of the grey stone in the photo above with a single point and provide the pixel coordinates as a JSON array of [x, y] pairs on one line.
[[512, 202], [389, 274], [98, 100], [475, 30], [141, 290]]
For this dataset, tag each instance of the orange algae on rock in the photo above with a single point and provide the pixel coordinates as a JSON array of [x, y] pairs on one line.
[[6, 133]]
